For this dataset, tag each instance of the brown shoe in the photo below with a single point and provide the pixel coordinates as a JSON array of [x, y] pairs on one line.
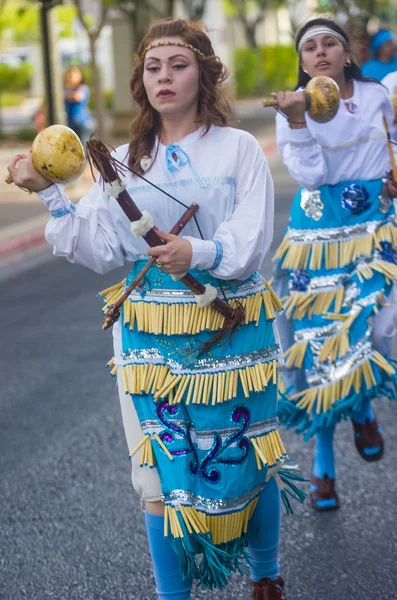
[[268, 589], [368, 439], [325, 496]]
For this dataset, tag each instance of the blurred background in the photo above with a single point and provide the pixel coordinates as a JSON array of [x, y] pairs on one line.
[[38, 41]]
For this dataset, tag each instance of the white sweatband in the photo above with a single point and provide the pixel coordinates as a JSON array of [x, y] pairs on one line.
[[208, 297], [143, 225], [320, 31], [114, 188]]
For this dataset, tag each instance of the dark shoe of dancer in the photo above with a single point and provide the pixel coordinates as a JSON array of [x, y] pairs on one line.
[[368, 439], [322, 493], [268, 589]]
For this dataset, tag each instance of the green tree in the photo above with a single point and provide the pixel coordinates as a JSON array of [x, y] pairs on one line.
[[250, 13]]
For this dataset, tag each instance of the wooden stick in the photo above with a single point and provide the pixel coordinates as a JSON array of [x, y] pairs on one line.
[[114, 311], [390, 147]]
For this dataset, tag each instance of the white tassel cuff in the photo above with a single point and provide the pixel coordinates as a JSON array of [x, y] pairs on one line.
[[114, 189], [178, 276], [144, 224], [208, 297]]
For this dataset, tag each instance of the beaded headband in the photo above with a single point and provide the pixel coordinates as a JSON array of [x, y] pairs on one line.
[[180, 44], [319, 31]]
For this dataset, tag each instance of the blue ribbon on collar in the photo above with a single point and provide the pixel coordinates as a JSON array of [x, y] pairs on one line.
[[176, 157]]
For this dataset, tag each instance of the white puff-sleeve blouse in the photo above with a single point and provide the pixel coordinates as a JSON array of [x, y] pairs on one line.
[[352, 146], [224, 171]]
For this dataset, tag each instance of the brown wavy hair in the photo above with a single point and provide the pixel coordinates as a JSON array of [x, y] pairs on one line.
[[213, 103]]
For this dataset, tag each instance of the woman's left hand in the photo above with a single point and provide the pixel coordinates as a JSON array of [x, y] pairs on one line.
[[176, 256], [391, 188]]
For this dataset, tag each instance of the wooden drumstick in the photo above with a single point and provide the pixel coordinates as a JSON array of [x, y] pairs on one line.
[[391, 153]]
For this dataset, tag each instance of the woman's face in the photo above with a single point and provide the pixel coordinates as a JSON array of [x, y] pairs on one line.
[[73, 77], [171, 78], [323, 54]]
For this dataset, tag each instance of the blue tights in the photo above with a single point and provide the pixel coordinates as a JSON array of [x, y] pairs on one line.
[[324, 463], [263, 541]]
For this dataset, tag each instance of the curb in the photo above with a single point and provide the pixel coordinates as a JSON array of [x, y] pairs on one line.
[[27, 235]]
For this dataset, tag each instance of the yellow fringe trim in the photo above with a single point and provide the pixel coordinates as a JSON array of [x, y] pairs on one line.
[[300, 305], [223, 528], [326, 396], [333, 347], [189, 318], [389, 270], [147, 455], [269, 449], [205, 388], [110, 364], [332, 254], [295, 355]]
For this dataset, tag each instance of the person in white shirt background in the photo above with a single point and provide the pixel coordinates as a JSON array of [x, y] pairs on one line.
[[390, 82], [212, 458], [338, 260]]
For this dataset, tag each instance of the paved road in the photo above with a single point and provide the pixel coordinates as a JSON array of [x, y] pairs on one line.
[[71, 526]]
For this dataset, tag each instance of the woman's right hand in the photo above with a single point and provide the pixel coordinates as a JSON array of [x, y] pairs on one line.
[[292, 104], [24, 175]]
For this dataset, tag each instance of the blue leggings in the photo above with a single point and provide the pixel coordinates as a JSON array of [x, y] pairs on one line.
[[324, 463], [263, 542]]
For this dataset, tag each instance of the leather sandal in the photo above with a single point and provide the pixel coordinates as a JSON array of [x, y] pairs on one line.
[[324, 497], [367, 436], [268, 589]]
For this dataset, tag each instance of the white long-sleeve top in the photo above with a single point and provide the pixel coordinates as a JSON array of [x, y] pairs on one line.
[[226, 174], [350, 146], [390, 82]]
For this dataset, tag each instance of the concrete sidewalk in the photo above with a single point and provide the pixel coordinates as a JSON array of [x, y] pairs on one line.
[[23, 217]]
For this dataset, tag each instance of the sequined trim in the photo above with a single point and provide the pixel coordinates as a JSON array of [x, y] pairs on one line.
[[326, 375], [209, 505], [219, 255], [334, 328], [183, 183], [205, 439], [227, 363], [326, 283], [334, 234], [169, 295], [311, 204], [204, 365], [150, 356]]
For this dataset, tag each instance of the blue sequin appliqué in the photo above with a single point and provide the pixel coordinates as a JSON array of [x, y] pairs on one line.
[[355, 198]]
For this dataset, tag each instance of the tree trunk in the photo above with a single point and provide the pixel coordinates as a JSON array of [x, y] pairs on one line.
[[250, 31], [98, 96]]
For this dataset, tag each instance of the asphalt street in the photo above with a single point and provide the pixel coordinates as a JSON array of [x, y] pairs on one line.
[[71, 525]]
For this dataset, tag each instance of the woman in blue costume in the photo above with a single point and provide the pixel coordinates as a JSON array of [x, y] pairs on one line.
[[207, 458], [338, 260]]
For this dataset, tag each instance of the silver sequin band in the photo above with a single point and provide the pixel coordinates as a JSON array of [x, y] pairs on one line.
[[320, 31], [334, 328], [327, 283], [212, 505], [326, 375], [204, 365], [169, 295], [217, 505], [205, 439], [337, 234]]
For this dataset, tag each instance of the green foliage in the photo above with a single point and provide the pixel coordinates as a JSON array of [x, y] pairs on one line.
[[19, 21], [14, 79], [267, 69]]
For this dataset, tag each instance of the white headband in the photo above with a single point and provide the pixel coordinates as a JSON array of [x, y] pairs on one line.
[[319, 31]]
